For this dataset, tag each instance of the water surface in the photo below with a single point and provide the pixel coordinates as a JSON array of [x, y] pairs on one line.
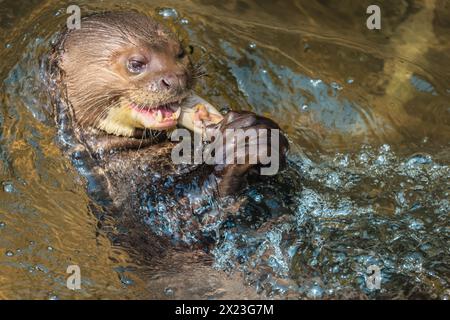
[[368, 117]]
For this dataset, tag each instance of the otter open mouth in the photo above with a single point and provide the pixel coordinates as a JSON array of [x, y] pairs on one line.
[[161, 118], [192, 112]]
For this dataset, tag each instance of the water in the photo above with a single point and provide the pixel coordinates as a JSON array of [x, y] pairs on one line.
[[367, 115]]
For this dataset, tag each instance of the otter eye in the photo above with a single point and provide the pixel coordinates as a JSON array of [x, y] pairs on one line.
[[181, 53], [136, 66]]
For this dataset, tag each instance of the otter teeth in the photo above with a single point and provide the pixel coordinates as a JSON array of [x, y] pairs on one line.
[[176, 114], [159, 116]]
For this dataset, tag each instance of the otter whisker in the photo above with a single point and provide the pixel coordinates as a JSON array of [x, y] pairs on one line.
[[102, 101], [104, 113], [144, 133], [105, 103]]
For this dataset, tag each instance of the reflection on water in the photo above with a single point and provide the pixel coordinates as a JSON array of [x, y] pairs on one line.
[[367, 114]]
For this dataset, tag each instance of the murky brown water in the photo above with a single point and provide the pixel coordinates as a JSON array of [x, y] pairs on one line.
[[368, 116]]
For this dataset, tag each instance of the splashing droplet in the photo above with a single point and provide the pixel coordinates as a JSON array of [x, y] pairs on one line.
[[168, 13], [419, 159], [169, 292], [8, 187], [336, 86], [315, 292]]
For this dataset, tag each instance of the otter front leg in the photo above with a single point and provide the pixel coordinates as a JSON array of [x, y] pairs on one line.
[[243, 142]]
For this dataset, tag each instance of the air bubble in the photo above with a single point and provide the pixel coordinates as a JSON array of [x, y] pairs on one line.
[[413, 262], [364, 157], [126, 281], [416, 225], [315, 292], [419, 159], [385, 148], [381, 160], [336, 86], [169, 292], [8, 187], [168, 13]]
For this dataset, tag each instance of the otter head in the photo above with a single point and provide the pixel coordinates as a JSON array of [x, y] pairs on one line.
[[124, 73]]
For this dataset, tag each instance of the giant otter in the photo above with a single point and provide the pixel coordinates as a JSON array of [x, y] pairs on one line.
[[118, 85]]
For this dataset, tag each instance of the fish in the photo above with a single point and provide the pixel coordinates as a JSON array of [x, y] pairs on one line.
[[197, 114]]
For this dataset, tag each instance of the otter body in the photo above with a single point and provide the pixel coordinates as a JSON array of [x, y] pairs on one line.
[[146, 186], [120, 82]]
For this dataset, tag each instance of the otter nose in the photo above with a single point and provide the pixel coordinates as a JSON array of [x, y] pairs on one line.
[[173, 82]]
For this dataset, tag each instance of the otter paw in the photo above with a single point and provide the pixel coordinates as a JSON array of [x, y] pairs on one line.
[[246, 143]]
